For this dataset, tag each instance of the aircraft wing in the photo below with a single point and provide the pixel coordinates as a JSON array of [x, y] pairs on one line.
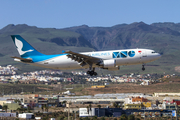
[[83, 59], [22, 59]]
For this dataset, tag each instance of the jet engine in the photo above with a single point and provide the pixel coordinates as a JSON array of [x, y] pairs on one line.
[[109, 64]]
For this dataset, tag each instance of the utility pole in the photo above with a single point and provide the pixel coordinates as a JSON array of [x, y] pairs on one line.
[[69, 103], [75, 115], [176, 112], [144, 114], [68, 108]]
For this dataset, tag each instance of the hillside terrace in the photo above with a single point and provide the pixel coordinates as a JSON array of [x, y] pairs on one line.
[[8, 74]]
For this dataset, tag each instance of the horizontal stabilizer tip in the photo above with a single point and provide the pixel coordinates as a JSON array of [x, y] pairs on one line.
[[22, 59]]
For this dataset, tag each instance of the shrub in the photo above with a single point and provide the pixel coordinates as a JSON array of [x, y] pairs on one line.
[[102, 118], [131, 117], [123, 117]]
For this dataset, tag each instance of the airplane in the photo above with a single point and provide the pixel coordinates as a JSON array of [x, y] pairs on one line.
[[110, 60]]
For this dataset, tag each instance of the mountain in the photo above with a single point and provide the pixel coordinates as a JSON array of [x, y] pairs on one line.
[[173, 26], [124, 36], [46, 40], [162, 37]]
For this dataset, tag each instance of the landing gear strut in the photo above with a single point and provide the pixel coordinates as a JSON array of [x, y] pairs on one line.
[[143, 67], [91, 72]]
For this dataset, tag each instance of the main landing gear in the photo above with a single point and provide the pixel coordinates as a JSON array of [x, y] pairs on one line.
[[143, 68], [91, 72]]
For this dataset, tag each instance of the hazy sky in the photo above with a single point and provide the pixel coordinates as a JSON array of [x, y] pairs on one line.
[[105, 13]]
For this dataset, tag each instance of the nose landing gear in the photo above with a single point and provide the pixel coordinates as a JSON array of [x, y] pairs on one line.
[[143, 68]]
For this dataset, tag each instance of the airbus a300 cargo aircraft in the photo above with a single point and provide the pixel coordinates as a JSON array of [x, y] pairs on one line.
[[111, 60]]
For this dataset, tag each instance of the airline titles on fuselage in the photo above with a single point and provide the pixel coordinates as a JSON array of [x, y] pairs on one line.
[[118, 54], [101, 54]]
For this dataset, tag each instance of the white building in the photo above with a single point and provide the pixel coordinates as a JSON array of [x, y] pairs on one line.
[[26, 115], [84, 112], [145, 82]]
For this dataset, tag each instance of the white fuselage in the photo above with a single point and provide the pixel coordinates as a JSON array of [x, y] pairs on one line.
[[122, 57]]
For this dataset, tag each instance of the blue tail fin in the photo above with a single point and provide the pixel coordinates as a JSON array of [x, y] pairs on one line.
[[24, 48]]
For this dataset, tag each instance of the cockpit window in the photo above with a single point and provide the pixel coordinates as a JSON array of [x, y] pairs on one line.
[[153, 52]]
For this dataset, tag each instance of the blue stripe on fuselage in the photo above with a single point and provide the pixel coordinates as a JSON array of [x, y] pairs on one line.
[[40, 58]]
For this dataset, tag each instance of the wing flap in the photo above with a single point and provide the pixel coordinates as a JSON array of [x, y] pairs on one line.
[[82, 58]]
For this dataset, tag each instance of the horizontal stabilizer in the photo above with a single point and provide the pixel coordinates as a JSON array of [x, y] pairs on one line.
[[22, 59]]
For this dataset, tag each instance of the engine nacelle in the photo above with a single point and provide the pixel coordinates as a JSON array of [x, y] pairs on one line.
[[109, 63]]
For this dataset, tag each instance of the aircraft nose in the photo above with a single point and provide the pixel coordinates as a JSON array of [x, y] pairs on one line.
[[158, 55]]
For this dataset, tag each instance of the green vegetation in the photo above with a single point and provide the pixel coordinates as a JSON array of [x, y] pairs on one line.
[[5, 107], [9, 89]]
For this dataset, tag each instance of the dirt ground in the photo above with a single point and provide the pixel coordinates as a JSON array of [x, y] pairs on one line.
[[171, 85]]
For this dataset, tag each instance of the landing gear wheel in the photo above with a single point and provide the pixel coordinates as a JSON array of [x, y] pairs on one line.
[[91, 73], [143, 67], [95, 73]]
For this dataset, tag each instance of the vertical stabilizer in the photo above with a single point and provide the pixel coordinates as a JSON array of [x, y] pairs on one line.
[[24, 48]]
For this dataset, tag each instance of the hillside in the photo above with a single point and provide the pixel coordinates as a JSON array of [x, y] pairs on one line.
[[162, 37], [139, 35], [135, 88], [45, 40]]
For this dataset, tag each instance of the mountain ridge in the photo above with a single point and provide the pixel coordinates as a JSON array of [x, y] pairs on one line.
[[162, 37]]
